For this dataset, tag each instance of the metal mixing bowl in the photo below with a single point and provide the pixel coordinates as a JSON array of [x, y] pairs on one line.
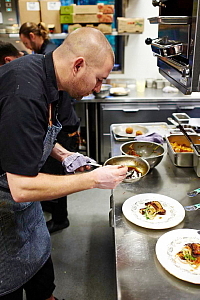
[[104, 92], [130, 161], [150, 151]]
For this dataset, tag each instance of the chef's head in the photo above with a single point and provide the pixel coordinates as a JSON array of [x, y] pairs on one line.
[[8, 52], [33, 35], [82, 62]]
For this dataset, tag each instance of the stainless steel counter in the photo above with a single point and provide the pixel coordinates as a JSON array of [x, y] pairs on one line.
[[139, 274], [153, 105], [149, 94]]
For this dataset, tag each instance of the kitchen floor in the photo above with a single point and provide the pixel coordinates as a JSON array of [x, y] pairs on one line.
[[83, 254]]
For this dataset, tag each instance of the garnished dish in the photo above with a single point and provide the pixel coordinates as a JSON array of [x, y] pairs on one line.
[[178, 251], [152, 209], [190, 254], [181, 147]]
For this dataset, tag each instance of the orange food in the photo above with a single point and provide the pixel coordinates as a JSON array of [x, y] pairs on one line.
[[139, 132], [129, 130], [181, 148]]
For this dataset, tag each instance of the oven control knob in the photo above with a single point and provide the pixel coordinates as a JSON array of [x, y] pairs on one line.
[[148, 41], [155, 2], [159, 2]]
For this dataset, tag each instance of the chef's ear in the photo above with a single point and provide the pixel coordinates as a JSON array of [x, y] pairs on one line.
[[79, 64], [7, 59], [31, 36]]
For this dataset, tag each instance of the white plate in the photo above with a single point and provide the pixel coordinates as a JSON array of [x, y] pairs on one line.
[[175, 212], [169, 244], [121, 130], [119, 91]]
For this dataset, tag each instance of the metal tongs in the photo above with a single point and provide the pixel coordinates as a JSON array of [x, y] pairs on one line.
[[194, 206]]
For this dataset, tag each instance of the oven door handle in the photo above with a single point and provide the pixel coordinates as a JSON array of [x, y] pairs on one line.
[[186, 107], [138, 109]]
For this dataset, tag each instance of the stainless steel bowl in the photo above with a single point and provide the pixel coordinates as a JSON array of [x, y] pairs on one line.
[[150, 151], [130, 161], [104, 92]]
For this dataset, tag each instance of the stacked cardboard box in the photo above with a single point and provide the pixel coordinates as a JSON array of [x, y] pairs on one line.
[[105, 28], [29, 11], [100, 13], [50, 14], [130, 25]]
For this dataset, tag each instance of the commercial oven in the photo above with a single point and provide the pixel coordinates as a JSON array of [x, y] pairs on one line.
[[177, 46]]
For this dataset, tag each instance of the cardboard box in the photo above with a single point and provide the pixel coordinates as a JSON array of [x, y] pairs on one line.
[[73, 27], [131, 25], [29, 11], [87, 9], [105, 28], [86, 18], [50, 14]]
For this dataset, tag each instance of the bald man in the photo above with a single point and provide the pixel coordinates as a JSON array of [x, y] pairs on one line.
[[29, 96]]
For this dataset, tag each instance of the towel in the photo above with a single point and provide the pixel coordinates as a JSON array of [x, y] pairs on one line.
[[73, 162], [152, 137]]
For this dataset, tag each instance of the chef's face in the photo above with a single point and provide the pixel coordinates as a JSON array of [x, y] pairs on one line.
[[90, 80], [29, 43]]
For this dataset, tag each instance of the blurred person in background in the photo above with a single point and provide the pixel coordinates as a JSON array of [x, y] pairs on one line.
[[35, 37], [8, 52]]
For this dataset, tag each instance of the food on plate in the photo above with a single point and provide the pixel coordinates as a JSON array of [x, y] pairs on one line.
[[152, 209], [190, 254], [133, 173], [181, 147], [129, 130], [138, 132]]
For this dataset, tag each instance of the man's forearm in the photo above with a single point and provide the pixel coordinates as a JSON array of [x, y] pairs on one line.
[[59, 152], [46, 186]]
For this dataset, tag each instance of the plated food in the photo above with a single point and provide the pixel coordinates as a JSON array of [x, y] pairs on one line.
[[172, 214], [190, 254], [152, 209], [178, 252], [130, 130]]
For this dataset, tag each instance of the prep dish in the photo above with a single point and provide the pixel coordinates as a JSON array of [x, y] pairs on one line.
[[121, 130], [181, 159], [141, 165], [150, 151]]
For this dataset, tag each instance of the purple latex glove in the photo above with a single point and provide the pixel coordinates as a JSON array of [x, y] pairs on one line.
[[73, 162], [152, 137]]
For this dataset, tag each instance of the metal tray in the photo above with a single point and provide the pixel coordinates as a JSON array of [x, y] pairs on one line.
[[181, 159], [161, 128], [196, 160]]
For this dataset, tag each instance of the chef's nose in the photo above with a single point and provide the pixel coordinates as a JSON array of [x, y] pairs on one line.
[[97, 87]]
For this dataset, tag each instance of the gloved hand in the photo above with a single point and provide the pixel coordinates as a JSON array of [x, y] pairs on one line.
[[72, 162], [108, 177]]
